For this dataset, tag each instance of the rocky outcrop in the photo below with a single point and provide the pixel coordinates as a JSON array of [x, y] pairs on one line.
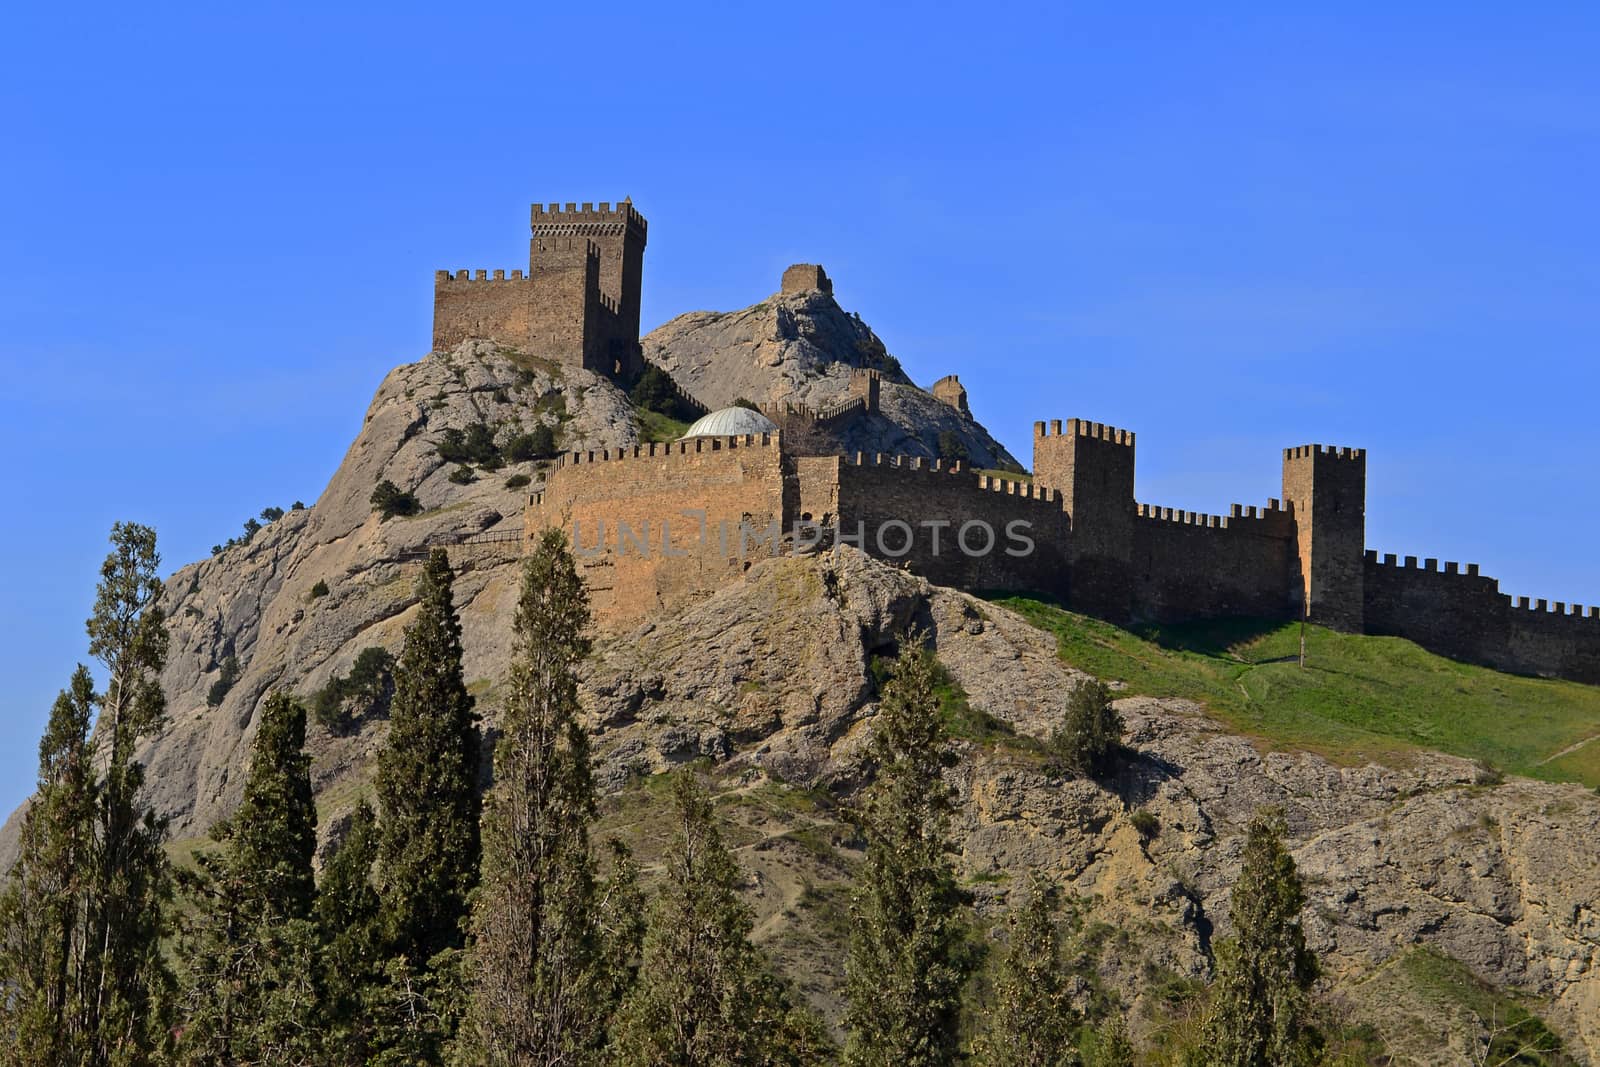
[[800, 348]]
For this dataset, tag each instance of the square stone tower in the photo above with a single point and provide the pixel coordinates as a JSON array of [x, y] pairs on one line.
[[1091, 464], [1327, 489]]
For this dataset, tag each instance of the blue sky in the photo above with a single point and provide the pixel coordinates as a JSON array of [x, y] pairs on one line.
[[1228, 228]]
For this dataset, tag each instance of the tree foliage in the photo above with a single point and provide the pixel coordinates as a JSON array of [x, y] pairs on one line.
[[250, 952], [1032, 1021], [427, 787], [1091, 731], [1260, 1003], [82, 917], [908, 956], [539, 995], [705, 997]]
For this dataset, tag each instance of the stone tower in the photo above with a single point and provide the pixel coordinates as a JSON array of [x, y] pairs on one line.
[[578, 305], [1091, 464], [1327, 489]]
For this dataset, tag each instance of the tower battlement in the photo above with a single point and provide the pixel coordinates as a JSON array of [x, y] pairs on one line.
[[578, 304]]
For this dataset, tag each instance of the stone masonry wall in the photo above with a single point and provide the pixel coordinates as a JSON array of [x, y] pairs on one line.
[[954, 527], [658, 524], [1457, 612], [1187, 565]]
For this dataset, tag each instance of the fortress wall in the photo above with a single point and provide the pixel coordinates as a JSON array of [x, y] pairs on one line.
[[1456, 612], [550, 314], [1187, 565], [879, 493], [670, 514]]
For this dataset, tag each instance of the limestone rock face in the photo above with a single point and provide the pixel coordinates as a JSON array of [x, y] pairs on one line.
[[255, 601], [800, 347]]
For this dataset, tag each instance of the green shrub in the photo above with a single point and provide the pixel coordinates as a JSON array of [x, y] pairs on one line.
[[320, 589], [1146, 823], [463, 475], [1091, 731], [366, 690], [745, 402], [518, 481], [271, 514], [537, 442], [225, 681], [297, 506], [952, 448], [656, 392], [389, 500]]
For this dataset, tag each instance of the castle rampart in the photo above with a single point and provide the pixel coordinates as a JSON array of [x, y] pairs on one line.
[[660, 523], [578, 305]]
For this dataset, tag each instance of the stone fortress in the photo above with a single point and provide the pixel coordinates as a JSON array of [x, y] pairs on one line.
[[658, 524]]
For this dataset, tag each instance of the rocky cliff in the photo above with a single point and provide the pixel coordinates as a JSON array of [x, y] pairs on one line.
[[770, 682], [800, 348]]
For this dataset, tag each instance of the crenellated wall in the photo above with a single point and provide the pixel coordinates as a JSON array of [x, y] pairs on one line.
[[954, 527], [658, 524], [1186, 565], [578, 304], [1458, 612], [681, 519]]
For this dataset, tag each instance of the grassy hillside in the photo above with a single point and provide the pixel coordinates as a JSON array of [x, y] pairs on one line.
[[1357, 698]]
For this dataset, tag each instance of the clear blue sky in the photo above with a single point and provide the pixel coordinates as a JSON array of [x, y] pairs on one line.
[[1227, 229]]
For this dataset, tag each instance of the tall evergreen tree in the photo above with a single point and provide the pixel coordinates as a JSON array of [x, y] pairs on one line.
[[1260, 1007], [428, 845], [250, 995], [126, 977], [1114, 1047], [348, 937], [705, 997], [1032, 1021], [908, 957], [42, 908], [86, 907], [536, 951]]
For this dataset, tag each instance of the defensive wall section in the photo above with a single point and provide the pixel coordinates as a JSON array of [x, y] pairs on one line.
[[1460, 613], [578, 305], [657, 524]]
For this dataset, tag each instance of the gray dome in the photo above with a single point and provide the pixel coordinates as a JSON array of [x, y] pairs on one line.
[[731, 422]]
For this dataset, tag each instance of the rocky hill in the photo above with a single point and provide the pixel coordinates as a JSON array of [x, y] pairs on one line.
[[1414, 870], [800, 347]]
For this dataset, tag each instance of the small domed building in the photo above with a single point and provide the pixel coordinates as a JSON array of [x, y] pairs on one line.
[[731, 422]]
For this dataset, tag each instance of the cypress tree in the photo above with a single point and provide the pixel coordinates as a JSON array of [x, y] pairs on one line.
[[907, 956], [428, 846], [121, 1002], [42, 907], [80, 927], [1260, 1006], [1091, 730], [704, 997], [536, 953], [1032, 1022], [250, 954], [1114, 1047], [346, 916]]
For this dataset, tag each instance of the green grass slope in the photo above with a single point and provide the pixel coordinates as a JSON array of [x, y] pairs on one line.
[[1357, 698]]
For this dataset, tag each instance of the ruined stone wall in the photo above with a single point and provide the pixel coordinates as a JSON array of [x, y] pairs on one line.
[[1187, 565], [656, 525], [950, 390], [805, 278], [914, 511], [1459, 613]]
